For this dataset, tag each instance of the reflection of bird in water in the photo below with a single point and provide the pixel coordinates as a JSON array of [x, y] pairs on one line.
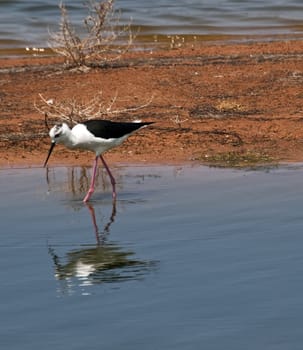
[[106, 263], [74, 181], [98, 136], [102, 263]]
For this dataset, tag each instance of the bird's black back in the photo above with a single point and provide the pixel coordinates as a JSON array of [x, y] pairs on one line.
[[107, 129]]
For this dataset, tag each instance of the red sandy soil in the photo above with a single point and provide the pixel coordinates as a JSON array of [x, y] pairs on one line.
[[211, 103]]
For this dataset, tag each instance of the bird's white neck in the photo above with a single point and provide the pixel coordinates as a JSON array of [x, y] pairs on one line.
[[68, 139]]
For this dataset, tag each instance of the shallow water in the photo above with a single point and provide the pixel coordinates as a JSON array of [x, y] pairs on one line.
[[27, 23], [189, 257]]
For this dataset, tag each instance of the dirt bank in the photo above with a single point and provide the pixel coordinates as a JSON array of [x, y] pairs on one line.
[[214, 103]]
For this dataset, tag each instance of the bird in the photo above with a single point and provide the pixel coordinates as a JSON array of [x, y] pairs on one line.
[[96, 135]]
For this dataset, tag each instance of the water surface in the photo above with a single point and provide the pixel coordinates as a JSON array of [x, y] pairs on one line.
[[188, 258], [27, 23]]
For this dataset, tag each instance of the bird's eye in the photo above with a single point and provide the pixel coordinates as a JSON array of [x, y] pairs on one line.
[[58, 130]]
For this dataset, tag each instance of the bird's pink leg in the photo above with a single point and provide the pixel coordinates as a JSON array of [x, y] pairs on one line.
[[92, 183], [112, 179]]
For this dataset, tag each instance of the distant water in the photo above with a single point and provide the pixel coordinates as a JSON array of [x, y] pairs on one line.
[[27, 23]]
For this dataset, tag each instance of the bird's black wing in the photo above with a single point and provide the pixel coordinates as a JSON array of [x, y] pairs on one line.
[[107, 129]]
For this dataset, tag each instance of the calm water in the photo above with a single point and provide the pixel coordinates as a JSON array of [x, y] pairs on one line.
[[189, 258], [26, 23]]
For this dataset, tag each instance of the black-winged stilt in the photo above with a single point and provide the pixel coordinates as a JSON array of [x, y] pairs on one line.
[[94, 135]]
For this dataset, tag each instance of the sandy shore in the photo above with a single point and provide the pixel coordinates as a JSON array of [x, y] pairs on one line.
[[230, 104]]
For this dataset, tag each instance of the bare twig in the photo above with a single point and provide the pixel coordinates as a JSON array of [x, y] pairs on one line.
[[177, 120]]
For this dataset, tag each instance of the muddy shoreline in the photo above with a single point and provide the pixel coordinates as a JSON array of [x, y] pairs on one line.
[[231, 104]]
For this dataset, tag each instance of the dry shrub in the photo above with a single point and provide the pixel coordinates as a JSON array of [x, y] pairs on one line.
[[102, 38], [73, 111]]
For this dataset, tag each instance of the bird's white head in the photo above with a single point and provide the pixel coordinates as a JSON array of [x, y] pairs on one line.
[[58, 134]]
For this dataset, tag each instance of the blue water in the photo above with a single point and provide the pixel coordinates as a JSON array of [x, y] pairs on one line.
[[27, 23], [189, 258]]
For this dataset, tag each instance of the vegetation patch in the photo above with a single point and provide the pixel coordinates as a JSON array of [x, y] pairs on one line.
[[223, 109], [230, 106], [242, 159]]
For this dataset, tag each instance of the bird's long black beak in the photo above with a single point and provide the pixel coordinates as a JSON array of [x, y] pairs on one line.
[[53, 144]]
